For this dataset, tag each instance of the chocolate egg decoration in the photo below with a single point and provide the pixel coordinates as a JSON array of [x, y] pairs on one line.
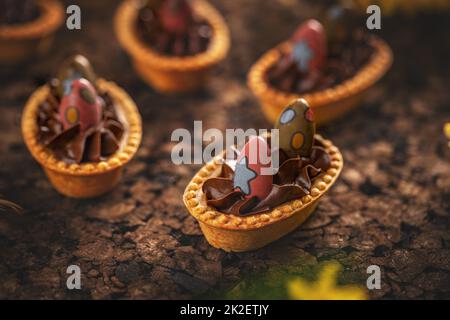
[[309, 49], [75, 67], [80, 105], [176, 16], [248, 175], [339, 22], [296, 129]]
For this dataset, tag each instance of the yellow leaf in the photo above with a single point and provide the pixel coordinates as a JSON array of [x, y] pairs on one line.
[[325, 288], [447, 130]]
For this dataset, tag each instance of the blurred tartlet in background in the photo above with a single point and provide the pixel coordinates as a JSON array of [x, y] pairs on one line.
[[391, 7], [27, 27], [331, 63], [173, 43], [81, 129]]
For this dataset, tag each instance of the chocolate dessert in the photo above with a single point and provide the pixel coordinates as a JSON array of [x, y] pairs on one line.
[[292, 181], [247, 203], [341, 65], [172, 28], [17, 12], [79, 123], [322, 56]]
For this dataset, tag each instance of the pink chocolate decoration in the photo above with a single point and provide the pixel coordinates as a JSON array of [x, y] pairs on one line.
[[312, 33], [80, 105], [175, 16]]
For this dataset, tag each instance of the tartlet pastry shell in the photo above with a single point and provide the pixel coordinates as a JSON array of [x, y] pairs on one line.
[[327, 104], [233, 233], [20, 41], [87, 179], [172, 74]]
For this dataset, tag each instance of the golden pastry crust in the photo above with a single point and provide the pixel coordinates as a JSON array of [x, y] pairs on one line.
[[195, 200], [217, 50], [327, 104], [52, 16], [45, 157]]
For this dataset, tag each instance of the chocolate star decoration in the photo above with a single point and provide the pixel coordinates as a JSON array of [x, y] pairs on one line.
[[302, 55], [243, 175]]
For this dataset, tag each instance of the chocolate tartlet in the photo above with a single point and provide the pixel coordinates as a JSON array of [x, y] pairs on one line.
[[82, 130], [17, 12], [241, 207], [332, 66], [27, 27], [172, 28]]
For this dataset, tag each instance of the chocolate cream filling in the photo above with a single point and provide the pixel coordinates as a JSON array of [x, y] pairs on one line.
[[343, 62], [14, 12], [292, 181], [73, 145], [194, 41]]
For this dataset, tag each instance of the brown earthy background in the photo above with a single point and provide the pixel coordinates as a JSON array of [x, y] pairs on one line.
[[390, 207]]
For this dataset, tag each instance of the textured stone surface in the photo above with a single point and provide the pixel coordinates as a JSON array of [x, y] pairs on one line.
[[390, 207]]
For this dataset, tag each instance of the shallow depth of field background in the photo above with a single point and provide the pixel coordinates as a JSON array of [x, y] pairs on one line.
[[389, 208]]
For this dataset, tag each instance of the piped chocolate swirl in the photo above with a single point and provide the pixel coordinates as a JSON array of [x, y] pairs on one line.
[[14, 12], [292, 181]]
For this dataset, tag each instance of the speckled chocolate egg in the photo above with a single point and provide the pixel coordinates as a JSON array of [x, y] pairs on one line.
[[309, 46], [249, 177], [75, 67], [80, 105], [296, 129], [176, 16]]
